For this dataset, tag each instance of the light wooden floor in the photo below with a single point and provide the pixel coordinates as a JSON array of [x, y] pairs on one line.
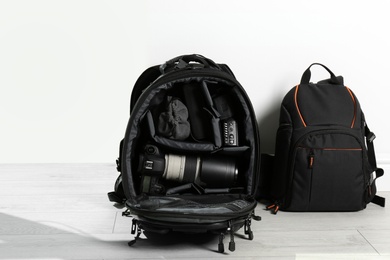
[[61, 211]]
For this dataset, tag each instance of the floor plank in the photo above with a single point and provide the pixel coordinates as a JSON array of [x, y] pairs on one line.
[[379, 239], [55, 172], [43, 223]]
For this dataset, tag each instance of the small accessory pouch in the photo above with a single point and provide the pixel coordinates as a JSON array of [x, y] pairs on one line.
[[173, 123]]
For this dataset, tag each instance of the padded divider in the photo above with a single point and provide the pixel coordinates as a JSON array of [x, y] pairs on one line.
[[246, 132], [202, 113], [216, 127], [234, 150], [152, 129], [214, 114], [180, 146]]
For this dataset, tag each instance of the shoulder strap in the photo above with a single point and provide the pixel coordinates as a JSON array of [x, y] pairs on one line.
[[118, 195], [370, 136]]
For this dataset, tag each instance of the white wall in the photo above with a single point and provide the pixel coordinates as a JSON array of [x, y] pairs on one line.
[[67, 67]]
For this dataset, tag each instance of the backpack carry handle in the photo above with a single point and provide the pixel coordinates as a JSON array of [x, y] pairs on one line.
[[307, 74], [184, 60]]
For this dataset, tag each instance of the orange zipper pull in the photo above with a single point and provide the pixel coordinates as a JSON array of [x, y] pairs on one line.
[[311, 159], [274, 207]]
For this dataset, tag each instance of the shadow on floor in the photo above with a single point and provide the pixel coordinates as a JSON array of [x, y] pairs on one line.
[[21, 238]]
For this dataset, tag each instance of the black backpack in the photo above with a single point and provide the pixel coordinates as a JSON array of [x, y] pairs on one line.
[[189, 160], [324, 153]]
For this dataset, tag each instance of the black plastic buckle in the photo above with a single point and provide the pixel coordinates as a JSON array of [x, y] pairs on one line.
[[162, 68], [113, 197], [181, 64], [371, 137], [118, 165]]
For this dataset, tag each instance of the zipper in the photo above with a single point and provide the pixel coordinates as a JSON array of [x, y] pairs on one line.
[[311, 153], [311, 159], [285, 125], [154, 213], [311, 163]]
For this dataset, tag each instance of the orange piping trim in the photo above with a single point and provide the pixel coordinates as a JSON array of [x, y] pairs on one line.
[[331, 149], [354, 107], [296, 105], [342, 149]]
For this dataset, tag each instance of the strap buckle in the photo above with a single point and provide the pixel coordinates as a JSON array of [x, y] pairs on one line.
[[371, 137], [118, 165]]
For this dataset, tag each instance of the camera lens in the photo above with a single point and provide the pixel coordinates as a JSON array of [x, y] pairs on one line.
[[215, 172], [219, 172], [181, 168]]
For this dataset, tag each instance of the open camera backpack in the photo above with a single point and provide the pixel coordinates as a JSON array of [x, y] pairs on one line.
[[189, 160], [324, 153]]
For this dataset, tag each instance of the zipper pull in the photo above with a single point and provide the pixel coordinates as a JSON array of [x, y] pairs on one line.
[[274, 207], [221, 247], [255, 217], [369, 190], [311, 159], [126, 213], [135, 227], [247, 228], [232, 244]]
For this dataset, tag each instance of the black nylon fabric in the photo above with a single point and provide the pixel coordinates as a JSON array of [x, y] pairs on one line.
[[325, 104], [190, 158], [142, 128], [321, 160], [146, 78], [328, 174]]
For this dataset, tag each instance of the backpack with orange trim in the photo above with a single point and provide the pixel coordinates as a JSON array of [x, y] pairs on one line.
[[324, 154]]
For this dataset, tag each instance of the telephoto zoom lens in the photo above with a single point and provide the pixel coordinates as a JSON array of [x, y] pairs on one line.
[[219, 172], [213, 172]]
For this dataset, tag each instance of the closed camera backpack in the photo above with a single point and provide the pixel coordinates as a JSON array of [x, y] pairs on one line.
[[324, 153], [189, 160]]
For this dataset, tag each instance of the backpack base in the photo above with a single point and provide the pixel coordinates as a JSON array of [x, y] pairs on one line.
[[222, 229]]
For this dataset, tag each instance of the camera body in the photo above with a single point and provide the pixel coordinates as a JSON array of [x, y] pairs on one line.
[[211, 172], [151, 166]]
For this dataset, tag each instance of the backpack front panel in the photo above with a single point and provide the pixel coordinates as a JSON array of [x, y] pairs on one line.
[[328, 173]]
